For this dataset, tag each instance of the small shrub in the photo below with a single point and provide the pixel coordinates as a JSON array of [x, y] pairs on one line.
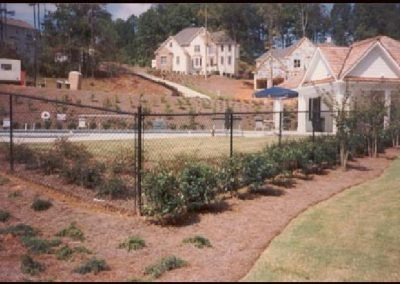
[[166, 264], [50, 162], [133, 243], [70, 150], [20, 230], [198, 184], [163, 199], [64, 253], [4, 180], [22, 154], [198, 241], [37, 246], [93, 265], [72, 232], [257, 168], [82, 249], [41, 204], [114, 188], [4, 216], [229, 174], [29, 266], [124, 162], [84, 173]]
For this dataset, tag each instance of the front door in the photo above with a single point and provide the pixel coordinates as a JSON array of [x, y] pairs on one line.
[[314, 114]]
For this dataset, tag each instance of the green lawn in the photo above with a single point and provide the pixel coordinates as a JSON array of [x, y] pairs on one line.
[[355, 236]]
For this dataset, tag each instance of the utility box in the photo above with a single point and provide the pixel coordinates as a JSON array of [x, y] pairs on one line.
[[75, 80], [10, 71]]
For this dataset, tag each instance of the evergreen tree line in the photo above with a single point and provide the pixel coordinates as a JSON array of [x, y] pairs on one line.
[[87, 34]]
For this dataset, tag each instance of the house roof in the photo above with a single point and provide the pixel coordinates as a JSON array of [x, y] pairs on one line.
[[294, 81], [19, 23], [185, 36], [221, 37], [282, 52], [335, 55]]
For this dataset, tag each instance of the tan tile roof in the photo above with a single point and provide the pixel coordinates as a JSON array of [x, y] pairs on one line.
[[335, 55], [392, 46], [19, 23], [293, 82]]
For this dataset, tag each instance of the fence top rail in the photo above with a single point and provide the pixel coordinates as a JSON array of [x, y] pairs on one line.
[[67, 103]]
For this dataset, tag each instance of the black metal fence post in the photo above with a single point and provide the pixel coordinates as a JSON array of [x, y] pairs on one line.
[[280, 128], [313, 135], [231, 138], [11, 135], [135, 153], [139, 161]]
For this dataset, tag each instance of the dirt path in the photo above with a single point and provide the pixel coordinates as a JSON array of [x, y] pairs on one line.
[[239, 232]]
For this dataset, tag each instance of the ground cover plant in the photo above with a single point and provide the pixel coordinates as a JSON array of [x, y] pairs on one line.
[[4, 180], [38, 246], [165, 264], [20, 230], [72, 231], [30, 266], [93, 265], [41, 204], [133, 243], [198, 241]]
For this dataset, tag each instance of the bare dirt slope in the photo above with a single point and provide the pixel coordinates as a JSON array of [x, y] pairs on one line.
[[239, 229]]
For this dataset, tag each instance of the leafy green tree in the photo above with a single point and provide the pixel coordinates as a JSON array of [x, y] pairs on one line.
[[341, 23]]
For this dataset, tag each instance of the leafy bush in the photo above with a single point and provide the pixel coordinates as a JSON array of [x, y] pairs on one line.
[[4, 216], [37, 246], [325, 150], [72, 231], [114, 188], [22, 154], [20, 230], [133, 243], [198, 184], [84, 173], [229, 174], [256, 168], [163, 198], [124, 162], [50, 162], [82, 249], [92, 265], [41, 204], [70, 150], [198, 241], [166, 264], [29, 266]]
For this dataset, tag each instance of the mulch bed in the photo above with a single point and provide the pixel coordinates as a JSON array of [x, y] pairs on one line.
[[239, 229]]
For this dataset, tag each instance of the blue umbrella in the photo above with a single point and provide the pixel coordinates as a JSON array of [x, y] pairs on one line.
[[276, 93]]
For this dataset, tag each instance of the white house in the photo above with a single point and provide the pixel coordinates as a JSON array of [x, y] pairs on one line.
[[371, 65], [186, 53], [10, 70], [284, 63]]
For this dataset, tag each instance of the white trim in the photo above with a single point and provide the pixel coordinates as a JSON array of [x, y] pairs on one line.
[[309, 69]]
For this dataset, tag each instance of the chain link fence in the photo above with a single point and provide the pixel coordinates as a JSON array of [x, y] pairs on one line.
[[99, 155]]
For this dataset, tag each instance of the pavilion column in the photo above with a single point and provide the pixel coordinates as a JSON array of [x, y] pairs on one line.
[[301, 115], [386, 119], [278, 107]]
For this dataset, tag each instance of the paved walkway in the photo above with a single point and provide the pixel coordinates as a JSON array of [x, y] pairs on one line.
[[186, 92]]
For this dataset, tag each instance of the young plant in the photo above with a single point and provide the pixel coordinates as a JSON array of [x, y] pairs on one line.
[[4, 216], [20, 230], [198, 241], [73, 232], [37, 246], [165, 264], [29, 266], [133, 243], [64, 253], [93, 265], [41, 204]]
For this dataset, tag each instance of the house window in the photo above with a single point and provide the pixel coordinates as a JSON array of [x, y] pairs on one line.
[[177, 60], [314, 106], [296, 63], [222, 60], [229, 48], [170, 44], [163, 60], [6, 67], [197, 62], [222, 48], [211, 62], [200, 62], [197, 48], [229, 60]]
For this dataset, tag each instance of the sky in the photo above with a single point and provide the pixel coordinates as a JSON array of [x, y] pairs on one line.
[[118, 10]]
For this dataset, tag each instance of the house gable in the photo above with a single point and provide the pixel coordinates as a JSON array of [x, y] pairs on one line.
[[318, 70], [377, 63]]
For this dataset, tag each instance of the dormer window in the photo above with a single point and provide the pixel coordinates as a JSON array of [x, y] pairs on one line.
[[222, 48], [170, 44], [296, 63], [197, 48], [229, 48]]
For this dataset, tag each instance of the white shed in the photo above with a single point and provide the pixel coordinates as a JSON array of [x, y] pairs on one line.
[[10, 70]]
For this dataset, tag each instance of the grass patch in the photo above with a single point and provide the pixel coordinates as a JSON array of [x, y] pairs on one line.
[[198, 241], [133, 243], [73, 232], [354, 236], [165, 264], [29, 266], [4, 216], [93, 265], [4, 180], [82, 249], [20, 230], [14, 194], [41, 204], [37, 246]]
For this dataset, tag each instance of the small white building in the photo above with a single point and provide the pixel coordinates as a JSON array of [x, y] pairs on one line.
[[186, 53], [10, 70], [371, 65]]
